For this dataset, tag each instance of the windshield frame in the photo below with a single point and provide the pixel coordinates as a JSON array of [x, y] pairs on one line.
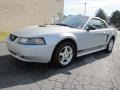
[[69, 23]]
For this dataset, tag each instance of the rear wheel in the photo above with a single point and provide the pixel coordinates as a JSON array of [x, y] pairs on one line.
[[110, 45], [64, 54]]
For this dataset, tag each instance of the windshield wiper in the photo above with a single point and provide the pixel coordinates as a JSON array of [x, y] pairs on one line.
[[63, 25]]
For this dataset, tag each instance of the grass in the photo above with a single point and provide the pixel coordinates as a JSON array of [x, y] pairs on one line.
[[3, 36]]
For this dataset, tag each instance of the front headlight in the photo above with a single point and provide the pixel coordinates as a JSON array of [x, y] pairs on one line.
[[32, 41]]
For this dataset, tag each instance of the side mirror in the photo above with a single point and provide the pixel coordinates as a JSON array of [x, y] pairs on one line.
[[90, 28]]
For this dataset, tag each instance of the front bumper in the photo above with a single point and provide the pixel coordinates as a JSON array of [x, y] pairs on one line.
[[30, 53]]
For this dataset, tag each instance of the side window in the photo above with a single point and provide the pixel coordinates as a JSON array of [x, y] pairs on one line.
[[96, 24], [103, 25]]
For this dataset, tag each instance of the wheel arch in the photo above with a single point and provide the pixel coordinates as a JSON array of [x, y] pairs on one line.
[[65, 40], [113, 37]]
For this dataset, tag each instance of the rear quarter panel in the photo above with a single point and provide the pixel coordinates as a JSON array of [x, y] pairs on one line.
[[111, 32]]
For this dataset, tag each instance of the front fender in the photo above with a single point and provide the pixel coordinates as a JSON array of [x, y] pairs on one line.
[[70, 36], [55, 39]]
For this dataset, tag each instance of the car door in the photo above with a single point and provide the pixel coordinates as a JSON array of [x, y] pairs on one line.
[[93, 35], [101, 32]]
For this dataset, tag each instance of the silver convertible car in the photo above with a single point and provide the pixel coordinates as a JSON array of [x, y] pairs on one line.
[[60, 43]]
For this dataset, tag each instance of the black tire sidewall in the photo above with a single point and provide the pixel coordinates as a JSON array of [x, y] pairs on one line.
[[57, 51], [108, 45]]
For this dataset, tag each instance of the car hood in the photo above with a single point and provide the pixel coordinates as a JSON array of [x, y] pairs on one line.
[[34, 31]]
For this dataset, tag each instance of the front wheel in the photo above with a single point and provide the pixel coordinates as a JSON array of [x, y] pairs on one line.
[[110, 45], [64, 54]]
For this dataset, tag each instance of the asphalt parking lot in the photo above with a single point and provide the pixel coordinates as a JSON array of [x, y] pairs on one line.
[[97, 71]]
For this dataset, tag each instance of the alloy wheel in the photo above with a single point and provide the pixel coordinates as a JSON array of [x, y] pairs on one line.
[[66, 55]]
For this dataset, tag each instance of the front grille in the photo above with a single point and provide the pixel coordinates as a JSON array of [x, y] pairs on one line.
[[13, 37]]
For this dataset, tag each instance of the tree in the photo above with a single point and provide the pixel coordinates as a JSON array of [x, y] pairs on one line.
[[115, 19], [101, 14]]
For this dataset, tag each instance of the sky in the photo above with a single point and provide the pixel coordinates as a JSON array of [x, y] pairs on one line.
[[74, 7]]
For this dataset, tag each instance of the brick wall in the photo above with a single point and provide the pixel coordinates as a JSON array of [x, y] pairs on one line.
[[16, 14]]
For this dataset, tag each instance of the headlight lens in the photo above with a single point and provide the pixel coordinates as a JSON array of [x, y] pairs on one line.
[[32, 41]]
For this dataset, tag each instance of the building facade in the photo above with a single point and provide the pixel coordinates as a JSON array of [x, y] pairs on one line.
[[16, 14]]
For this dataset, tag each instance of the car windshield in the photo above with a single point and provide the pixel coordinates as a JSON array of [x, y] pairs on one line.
[[75, 21]]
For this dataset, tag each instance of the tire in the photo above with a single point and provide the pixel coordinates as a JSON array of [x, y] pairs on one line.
[[64, 54], [110, 45]]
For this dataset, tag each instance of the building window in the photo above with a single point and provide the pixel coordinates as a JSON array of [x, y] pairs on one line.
[[59, 15], [56, 18], [53, 19]]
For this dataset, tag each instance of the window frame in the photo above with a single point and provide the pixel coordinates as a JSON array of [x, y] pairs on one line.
[[102, 21], [80, 26]]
